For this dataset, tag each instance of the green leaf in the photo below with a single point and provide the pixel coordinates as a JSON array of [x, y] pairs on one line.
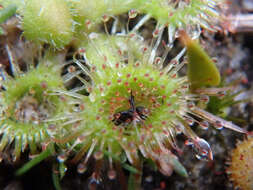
[[178, 167], [151, 164], [134, 180], [131, 182], [7, 13], [62, 169], [201, 69], [130, 168], [56, 180], [1, 31], [124, 165], [43, 155]]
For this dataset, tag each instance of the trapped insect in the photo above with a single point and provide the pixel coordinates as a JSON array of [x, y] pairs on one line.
[[133, 114]]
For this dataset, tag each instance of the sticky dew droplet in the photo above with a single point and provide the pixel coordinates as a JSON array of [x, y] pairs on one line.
[[204, 125], [98, 155], [157, 60], [105, 18], [71, 69], [62, 157], [155, 33], [188, 142], [202, 149], [190, 105], [111, 174], [132, 13], [81, 168], [88, 24], [190, 121], [218, 125], [52, 128], [204, 99]]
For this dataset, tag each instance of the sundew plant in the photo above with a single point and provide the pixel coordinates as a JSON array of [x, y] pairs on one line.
[[119, 100]]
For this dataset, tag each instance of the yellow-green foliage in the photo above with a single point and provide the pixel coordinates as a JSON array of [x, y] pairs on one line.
[[201, 69], [241, 166], [48, 21]]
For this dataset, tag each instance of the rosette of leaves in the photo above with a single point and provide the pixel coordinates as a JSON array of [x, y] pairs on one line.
[[27, 104], [39, 18], [136, 105], [183, 14]]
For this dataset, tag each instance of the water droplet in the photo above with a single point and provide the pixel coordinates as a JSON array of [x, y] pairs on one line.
[[81, 138], [137, 64], [221, 94], [190, 105], [174, 62], [81, 50], [14, 158], [105, 18], [109, 83], [94, 182], [141, 85], [81, 107], [190, 121], [88, 24], [188, 142], [51, 128], [204, 98], [71, 69], [155, 33], [132, 13], [81, 168], [62, 157], [218, 125], [98, 155], [43, 85], [103, 66], [202, 149], [149, 179], [92, 97], [157, 60], [204, 125], [111, 174]]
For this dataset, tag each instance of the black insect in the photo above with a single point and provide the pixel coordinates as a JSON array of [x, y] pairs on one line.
[[133, 114]]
